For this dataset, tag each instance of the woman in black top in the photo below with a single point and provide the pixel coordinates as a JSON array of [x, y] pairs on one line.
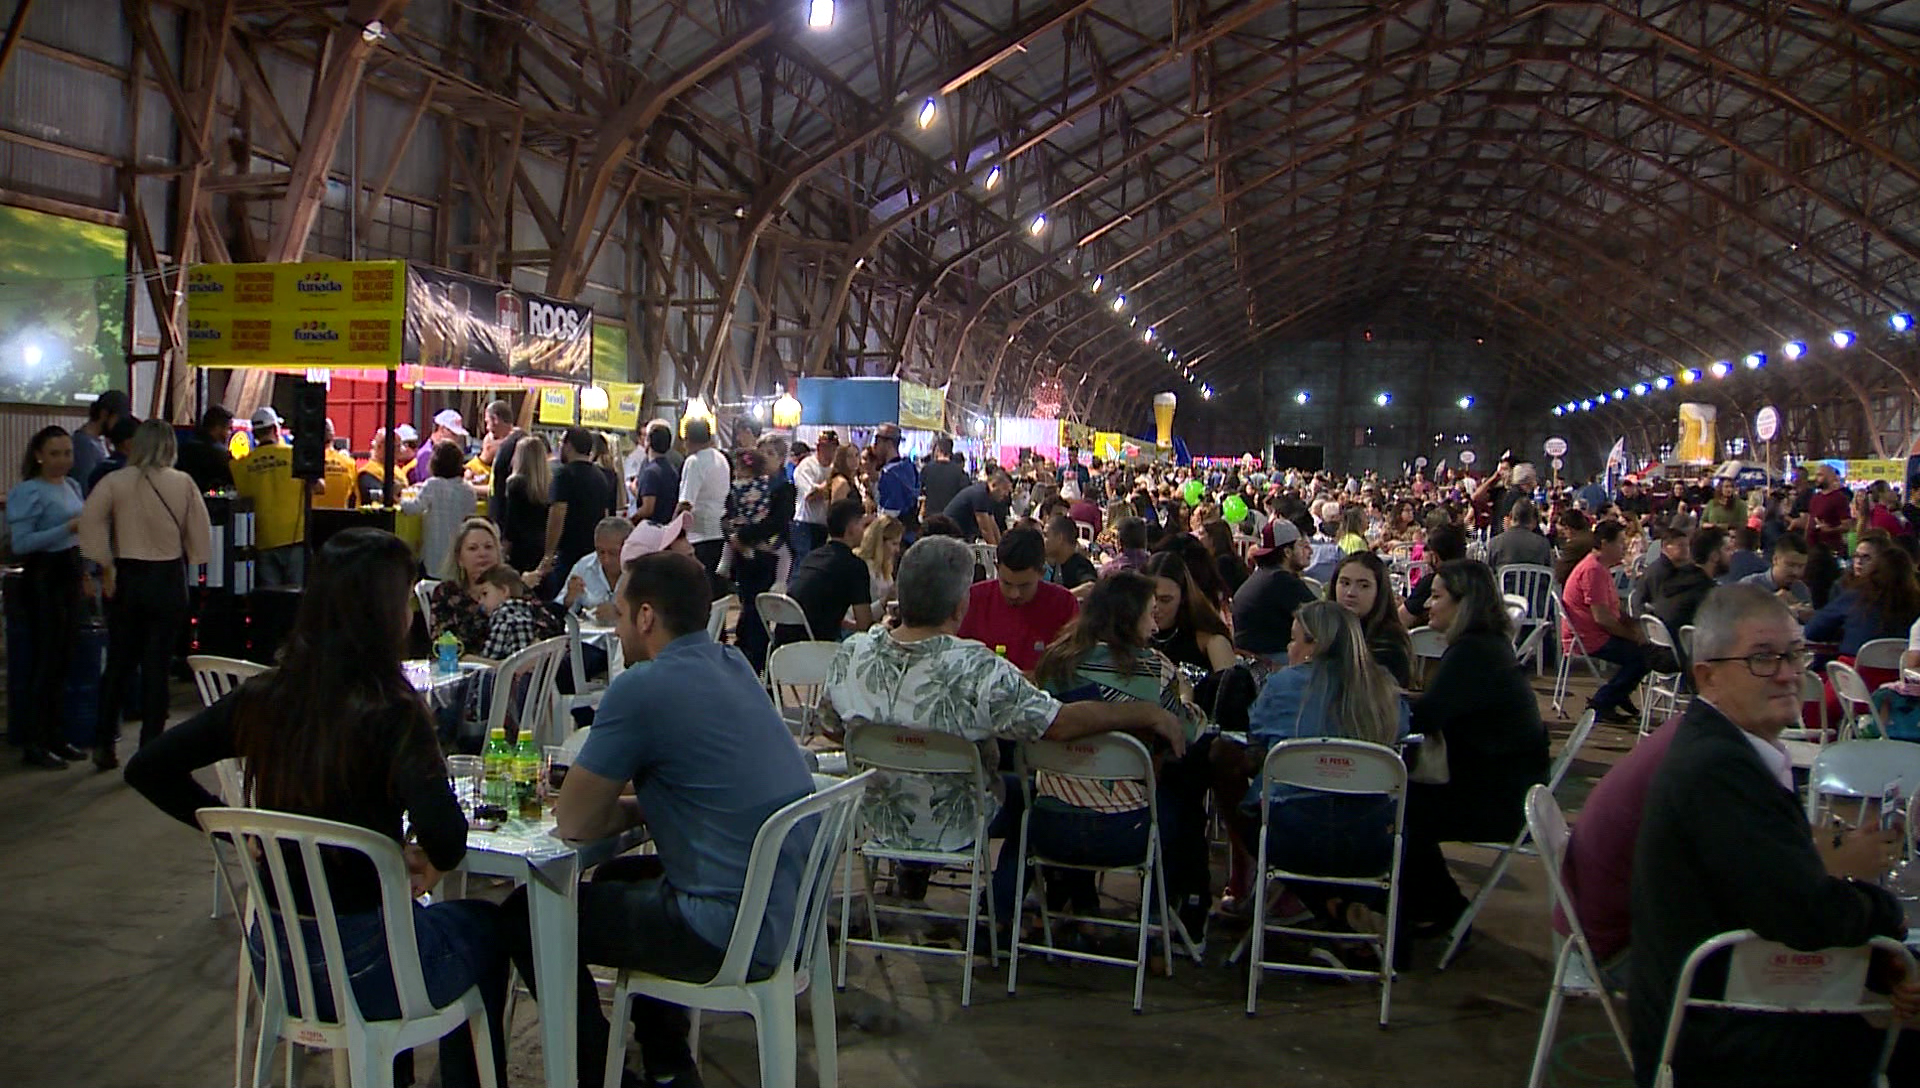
[[1360, 586], [1480, 700], [1187, 627], [766, 535], [338, 733], [523, 516], [1226, 557]]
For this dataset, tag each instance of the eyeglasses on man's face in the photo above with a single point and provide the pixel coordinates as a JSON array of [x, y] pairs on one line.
[[1766, 664]]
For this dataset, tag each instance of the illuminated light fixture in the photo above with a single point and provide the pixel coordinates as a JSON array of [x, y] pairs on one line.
[[1302, 397], [1720, 369], [1149, 334], [820, 14], [1586, 406], [757, 409], [32, 355], [1571, 406], [993, 177], [1600, 399], [1793, 349], [1842, 338], [373, 31], [1619, 394], [1900, 322], [1037, 225], [1663, 383], [979, 426], [697, 409], [786, 412], [1133, 322], [928, 111], [1465, 402], [1688, 377], [1559, 410], [1383, 398], [1206, 392], [1098, 283], [1755, 360], [1119, 303], [1641, 389], [593, 399]]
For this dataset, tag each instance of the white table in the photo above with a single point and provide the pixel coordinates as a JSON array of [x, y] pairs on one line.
[[437, 686], [528, 853]]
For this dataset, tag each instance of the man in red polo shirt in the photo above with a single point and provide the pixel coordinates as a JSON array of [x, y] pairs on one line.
[[1015, 612]]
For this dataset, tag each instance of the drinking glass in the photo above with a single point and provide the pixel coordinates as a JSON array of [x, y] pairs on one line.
[[467, 774], [554, 761]]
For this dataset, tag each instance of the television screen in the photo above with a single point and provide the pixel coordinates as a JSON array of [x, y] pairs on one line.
[[63, 300]]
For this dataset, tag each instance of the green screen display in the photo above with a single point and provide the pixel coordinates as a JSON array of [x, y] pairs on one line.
[[63, 297], [609, 352]]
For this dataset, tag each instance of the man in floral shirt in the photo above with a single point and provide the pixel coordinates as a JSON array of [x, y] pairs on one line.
[[921, 675]]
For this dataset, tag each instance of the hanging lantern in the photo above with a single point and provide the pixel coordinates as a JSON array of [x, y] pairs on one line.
[[594, 399], [1047, 396], [786, 412]]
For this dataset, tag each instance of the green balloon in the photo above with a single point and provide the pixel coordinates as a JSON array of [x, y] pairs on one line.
[[1192, 491], [1234, 509]]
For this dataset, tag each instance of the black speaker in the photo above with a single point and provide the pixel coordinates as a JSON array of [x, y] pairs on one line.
[[309, 425]]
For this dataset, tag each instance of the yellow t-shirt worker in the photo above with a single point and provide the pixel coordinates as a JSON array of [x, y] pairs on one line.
[[340, 489], [266, 477]]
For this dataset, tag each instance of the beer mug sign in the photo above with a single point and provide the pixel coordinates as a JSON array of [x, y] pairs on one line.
[[1696, 443], [1163, 405]]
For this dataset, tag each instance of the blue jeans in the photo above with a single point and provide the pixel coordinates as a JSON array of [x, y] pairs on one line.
[[1325, 835], [1632, 659], [805, 536], [460, 948]]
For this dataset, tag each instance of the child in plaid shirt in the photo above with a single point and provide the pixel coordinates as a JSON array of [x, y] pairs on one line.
[[513, 619]]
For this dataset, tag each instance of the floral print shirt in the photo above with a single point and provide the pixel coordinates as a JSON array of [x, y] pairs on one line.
[[945, 684]]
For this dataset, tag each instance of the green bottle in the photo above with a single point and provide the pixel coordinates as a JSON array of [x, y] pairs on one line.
[[497, 766], [526, 776]]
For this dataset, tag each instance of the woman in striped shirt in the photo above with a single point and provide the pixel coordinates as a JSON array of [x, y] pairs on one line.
[[1104, 654]]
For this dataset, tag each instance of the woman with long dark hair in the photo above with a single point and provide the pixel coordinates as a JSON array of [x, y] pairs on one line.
[[337, 732], [145, 525], [43, 522], [1103, 654], [1879, 599], [1200, 567], [1361, 587], [1187, 625], [1218, 537], [1482, 704]]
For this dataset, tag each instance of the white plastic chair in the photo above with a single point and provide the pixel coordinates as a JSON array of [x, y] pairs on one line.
[[1428, 645], [717, 616], [1861, 769], [1856, 699], [1534, 584], [539, 662], [986, 557], [423, 595], [778, 610], [268, 838], [1880, 653], [1812, 693], [921, 753], [830, 813], [1110, 757], [1522, 844], [1831, 981], [1662, 694], [800, 669], [1085, 533], [1350, 768], [216, 677], [1571, 648], [1575, 971]]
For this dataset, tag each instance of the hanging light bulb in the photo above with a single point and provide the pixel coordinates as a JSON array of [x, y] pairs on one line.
[[1559, 410], [993, 177], [1842, 338], [1793, 349], [820, 14], [1586, 406], [1755, 360], [786, 412], [1302, 397], [1098, 283], [1720, 369], [928, 111], [1146, 337], [1900, 322], [593, 399], [1465, 402], [1037, 225], [1663, 383], [1640, 390], [1119, 303]]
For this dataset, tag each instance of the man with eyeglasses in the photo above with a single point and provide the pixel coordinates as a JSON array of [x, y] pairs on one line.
[[1725, 844]]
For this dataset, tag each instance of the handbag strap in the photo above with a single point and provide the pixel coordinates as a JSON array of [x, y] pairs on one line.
[[178, 526]]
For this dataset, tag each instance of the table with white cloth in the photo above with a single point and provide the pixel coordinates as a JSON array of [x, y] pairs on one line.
[[442, 689], [527, 852]]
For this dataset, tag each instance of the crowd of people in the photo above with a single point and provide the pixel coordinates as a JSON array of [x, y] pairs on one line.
[[1005, 603]]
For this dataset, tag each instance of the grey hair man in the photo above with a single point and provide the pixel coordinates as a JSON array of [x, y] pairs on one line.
[[1725, 844]]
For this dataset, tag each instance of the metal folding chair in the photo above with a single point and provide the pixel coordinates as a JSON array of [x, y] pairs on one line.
[[1575, 971], [1571, 648], [1534, 584], [1661, 691]]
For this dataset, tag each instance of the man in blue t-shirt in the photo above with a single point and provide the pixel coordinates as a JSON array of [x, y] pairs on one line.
[[709, 760], [657, 488]]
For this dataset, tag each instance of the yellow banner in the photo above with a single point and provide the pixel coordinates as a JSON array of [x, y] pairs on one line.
[[362, 288], [1697, 444], [623, 407], [556, 404], [923, 407], [322, 314], [1077, 435], [1106, 444], [1891, 471], [293, 340]]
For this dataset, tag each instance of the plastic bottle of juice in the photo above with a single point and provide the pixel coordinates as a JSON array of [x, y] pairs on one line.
[[497, 768], [526, 776]]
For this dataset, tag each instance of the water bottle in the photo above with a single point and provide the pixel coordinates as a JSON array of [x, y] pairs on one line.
[[446, 653]]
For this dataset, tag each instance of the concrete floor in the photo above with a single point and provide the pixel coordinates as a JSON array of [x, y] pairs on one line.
[[112, 975]]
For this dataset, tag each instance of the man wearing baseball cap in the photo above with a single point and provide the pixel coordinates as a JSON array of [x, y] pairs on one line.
[[448, 426], [898, 493], [265, 477], [1264, 606]]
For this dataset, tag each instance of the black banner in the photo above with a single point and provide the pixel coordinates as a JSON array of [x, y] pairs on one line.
[[456, 320]]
